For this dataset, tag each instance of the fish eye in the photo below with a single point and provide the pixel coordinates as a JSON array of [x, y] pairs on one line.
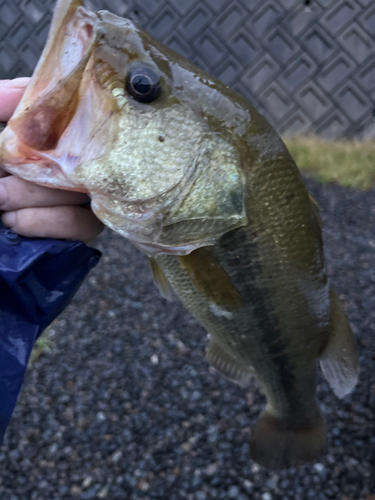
[[142, 83]]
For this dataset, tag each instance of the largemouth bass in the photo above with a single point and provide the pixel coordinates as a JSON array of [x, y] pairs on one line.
[[187, 170]]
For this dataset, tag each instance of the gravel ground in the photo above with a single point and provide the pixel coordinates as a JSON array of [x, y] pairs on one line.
[[126, 407]]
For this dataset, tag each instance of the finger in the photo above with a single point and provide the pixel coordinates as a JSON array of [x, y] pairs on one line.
[[16, 193], [11, 92], [67, 222]]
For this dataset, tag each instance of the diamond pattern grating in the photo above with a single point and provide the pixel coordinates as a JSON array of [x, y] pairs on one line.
[[307, 65]]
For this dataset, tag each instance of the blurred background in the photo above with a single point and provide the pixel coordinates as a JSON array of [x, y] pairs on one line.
[[119, 402]]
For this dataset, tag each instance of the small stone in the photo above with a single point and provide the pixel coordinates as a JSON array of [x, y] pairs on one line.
[[272, 483], [76, 490], [100, 416], [87, 482], [89, 494], [233, 492], [196, 481], [320, 468], [184, 393], [154, 359], [266, 496], [200, 495], [181, 348], [143, 485], [211, 469], [53, 448], [186, 446], [196, 395], [255, 468], [14, 455], [130, 480], [116, 457], [103, 493], [212, 433], [248, 485]]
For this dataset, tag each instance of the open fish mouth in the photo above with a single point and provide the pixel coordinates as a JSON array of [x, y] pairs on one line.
[[55, 87], [52, 126]]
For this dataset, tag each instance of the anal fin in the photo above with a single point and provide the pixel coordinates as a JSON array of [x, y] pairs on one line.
[[226, 362], [339, 360]]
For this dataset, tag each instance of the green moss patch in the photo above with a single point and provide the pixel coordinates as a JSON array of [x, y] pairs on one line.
[[350, 164]]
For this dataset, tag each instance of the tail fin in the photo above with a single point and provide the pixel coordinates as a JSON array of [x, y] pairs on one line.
[[280, 444]]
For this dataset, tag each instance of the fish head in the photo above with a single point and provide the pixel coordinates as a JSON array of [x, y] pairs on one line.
[[112, 112]]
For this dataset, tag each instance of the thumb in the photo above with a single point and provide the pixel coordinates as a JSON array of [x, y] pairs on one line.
[[11, 92]]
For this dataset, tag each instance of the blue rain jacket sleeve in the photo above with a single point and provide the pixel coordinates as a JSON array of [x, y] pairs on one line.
[[38, 278]]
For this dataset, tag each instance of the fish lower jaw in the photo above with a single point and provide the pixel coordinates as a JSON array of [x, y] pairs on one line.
[[23, 161]]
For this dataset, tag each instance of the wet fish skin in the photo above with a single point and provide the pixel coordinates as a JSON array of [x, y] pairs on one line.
[[203, 185], [273, 263]]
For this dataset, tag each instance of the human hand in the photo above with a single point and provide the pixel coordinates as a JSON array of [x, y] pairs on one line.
[[37, 211]]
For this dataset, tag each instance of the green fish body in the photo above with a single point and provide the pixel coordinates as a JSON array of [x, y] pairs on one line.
[[188, 171]]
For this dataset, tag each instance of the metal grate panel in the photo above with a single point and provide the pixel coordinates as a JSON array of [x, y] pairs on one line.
[[307, 65]]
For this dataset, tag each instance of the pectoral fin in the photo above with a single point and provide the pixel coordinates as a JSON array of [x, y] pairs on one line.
[[210, 278], [339, 360], [160, 280], [225, 361]]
